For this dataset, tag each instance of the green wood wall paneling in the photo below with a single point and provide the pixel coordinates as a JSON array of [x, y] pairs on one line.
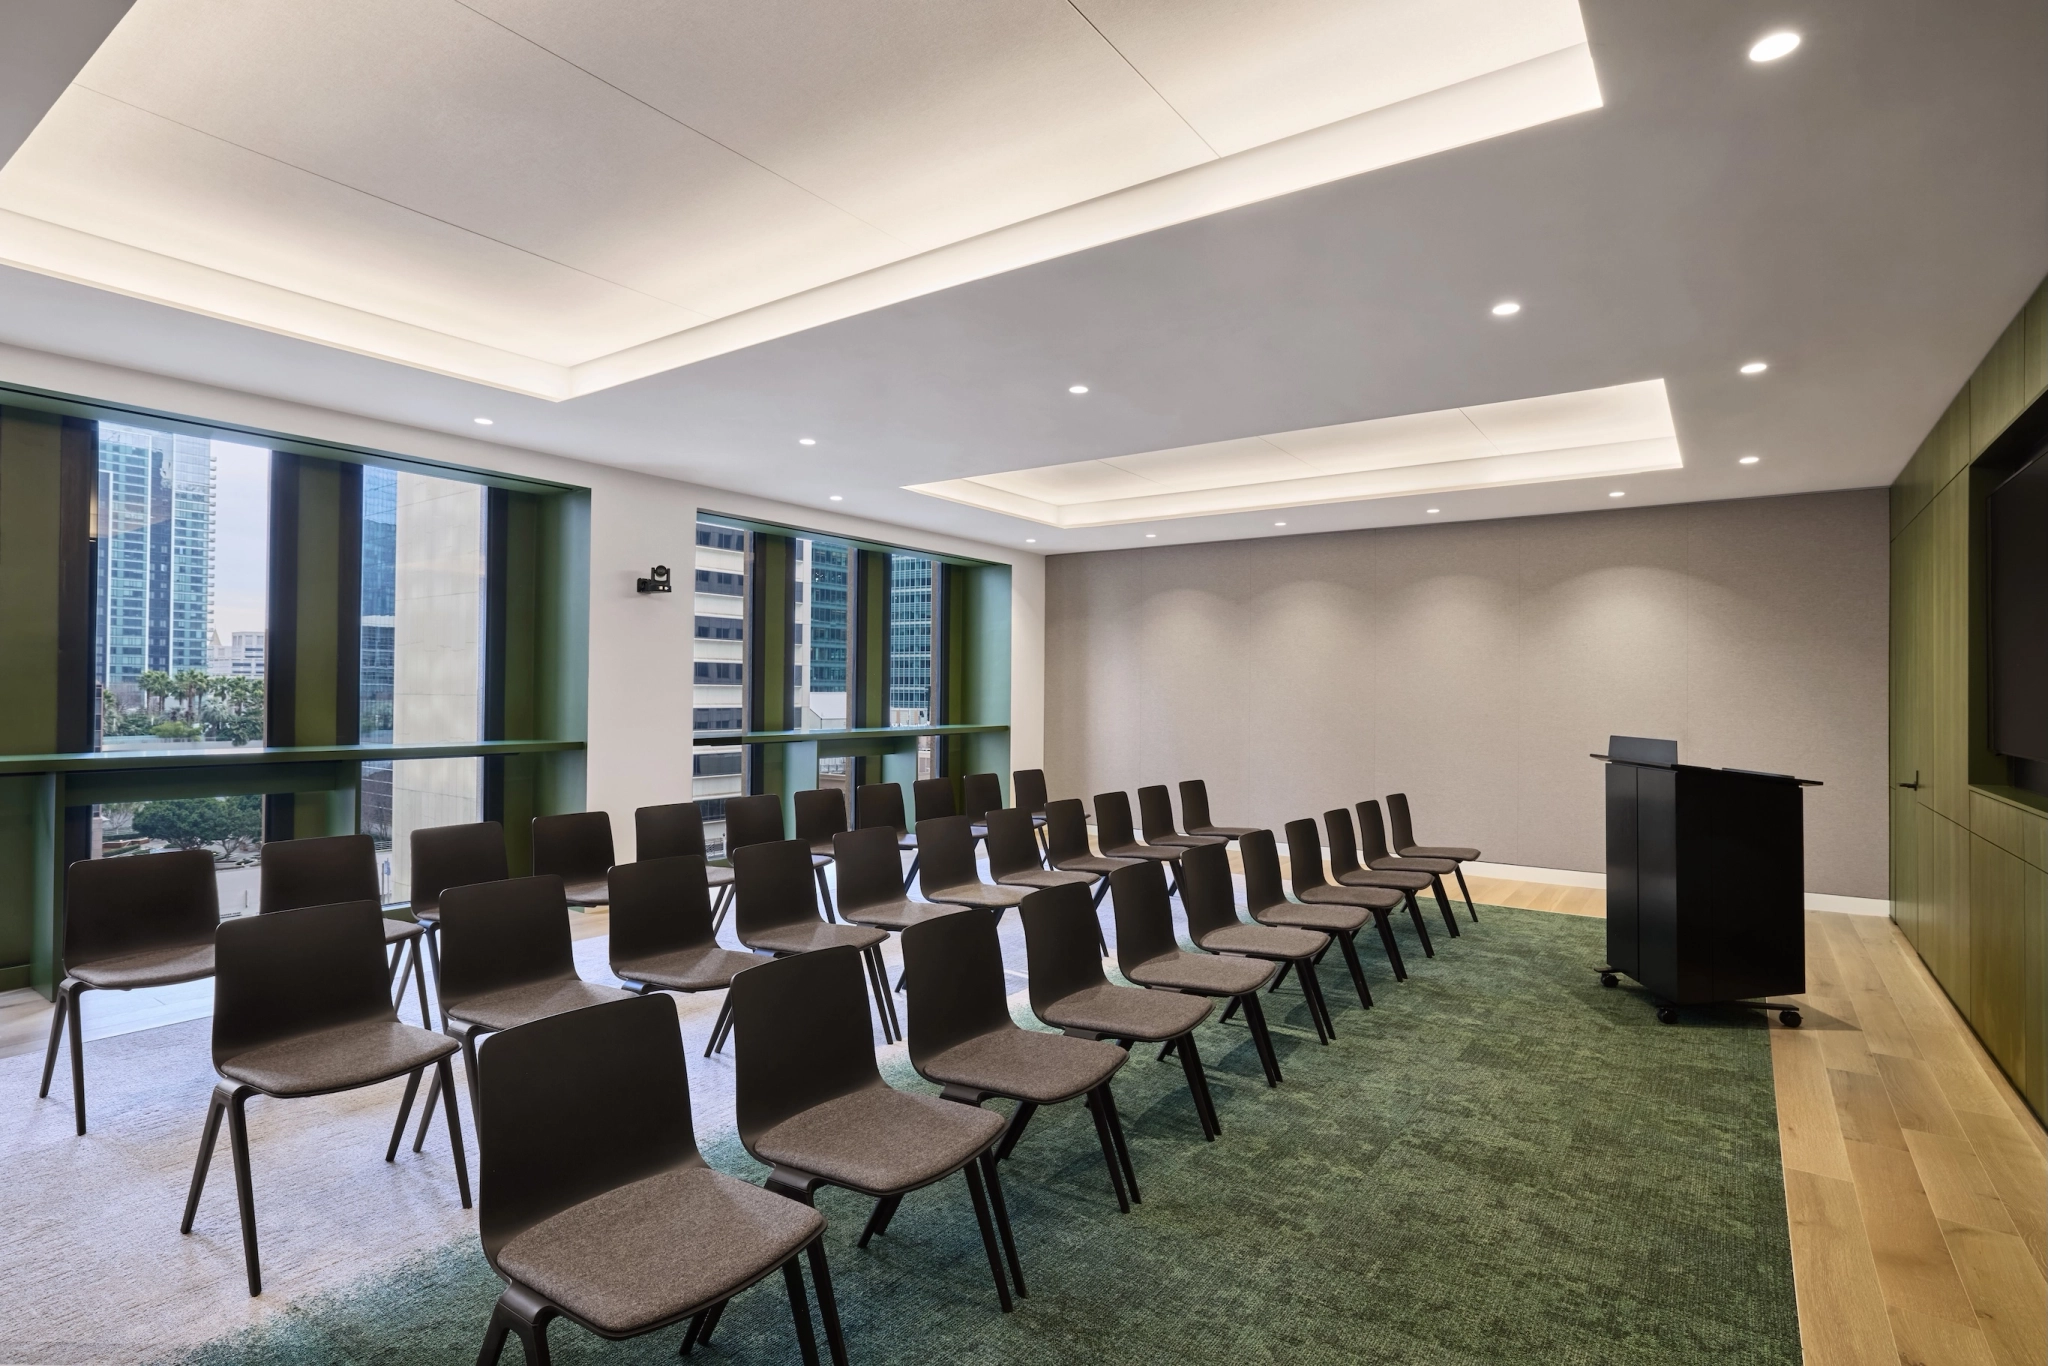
[[869, 706], [30, 464], [1998, 389], [1998, 962]]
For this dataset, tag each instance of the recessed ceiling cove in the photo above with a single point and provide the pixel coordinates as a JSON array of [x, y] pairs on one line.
[[1625, 429], [557, 198]]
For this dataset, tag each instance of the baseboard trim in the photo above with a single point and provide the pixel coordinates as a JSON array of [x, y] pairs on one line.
[[1569, 877]]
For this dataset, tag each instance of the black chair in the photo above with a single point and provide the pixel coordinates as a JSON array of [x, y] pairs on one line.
[[1346, 871], [758, 820], [811, 1104], [146, 920], [950, 876], [870, 886], [662, 939], [676, 831], [595, 1204], [328, 869], [1404, 846], [1027, 793], [302, 1007], [1013, 854], [980, 793], [932, 798], [820, 814], [1305, 873], [1155, 815], [1114, 836], [1372, 852], [963, 1039], [775, 908], [1268, 905], [445, 856], [1194, 813], [577, 848], [880, 806], [1070, 992], [1066, 845], [1147, 954], [1211, 903]]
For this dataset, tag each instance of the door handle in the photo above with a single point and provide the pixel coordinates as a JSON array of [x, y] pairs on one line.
[[1913, 786]]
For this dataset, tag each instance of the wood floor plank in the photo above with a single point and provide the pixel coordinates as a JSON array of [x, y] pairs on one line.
[[1959, 1190], [1929, 1340], [1916, 1095], [1852, 958], [1884, 1027], [1865, 1108], [2017, 1171], [1842, 1318], [1809, 1128], [1841, 1035], [1914, 1267], [2008, 1291]]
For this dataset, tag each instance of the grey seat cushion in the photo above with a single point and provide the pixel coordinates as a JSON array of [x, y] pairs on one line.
[[1046, 877], [1454, 853], [1156, 853], [880, 1140], [1386, 877], [659, 1248], [1371, 898], [510, 1007], [155, 967], [716, 876], [399, 931], [1266, 941], [1021, 1063], [816, 935], [1203, 972], [1128, 1012], [335, 1058], [1191, 840], [703, 969], [1330, 918], [1229, 832], [1413, 865], [898, 915], [978, 894], [1094, 864], [587, 891]]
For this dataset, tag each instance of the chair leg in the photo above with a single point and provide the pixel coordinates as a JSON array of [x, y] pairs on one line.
[[1198, 1087], [432, 939], [988, 1234], [447, 1078], [1123, 1148], [1279, 977], [69, 1013], [469, 1068], [911, 876], [1421, 926], [1116, 1175], [1443, 903], [994, 1181], [1101, 890], [419, 1139], [1459, 871], [711, 1318], [1014, 1129], [1262, 1038], [1229, 1012], [216, 1107], [718, 1026], [878, 1218], [522, 1314], [412, 1087], [419, 979], [825, 895], [879, 989], [1312, 988], [397, 962], [245, 1192], [799, 1311], [1345, 938], [888, 996], [1386, 929], [828, 1307], [719, 908], [63, 1011]]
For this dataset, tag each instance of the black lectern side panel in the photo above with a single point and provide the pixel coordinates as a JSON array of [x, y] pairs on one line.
[[1657, 880], [1622, 916]]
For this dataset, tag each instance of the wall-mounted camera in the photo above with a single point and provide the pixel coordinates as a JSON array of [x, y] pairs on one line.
[[656, 581]]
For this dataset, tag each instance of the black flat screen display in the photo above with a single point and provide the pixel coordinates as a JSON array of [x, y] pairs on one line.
[[2017, 560]]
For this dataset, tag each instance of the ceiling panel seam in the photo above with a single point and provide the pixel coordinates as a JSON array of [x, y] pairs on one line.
[[1089, 20]]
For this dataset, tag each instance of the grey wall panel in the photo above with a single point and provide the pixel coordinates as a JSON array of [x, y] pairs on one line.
[[1475, 664]]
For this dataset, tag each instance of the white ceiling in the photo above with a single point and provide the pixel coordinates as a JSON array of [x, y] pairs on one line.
[[555, 199], [1865, 214]]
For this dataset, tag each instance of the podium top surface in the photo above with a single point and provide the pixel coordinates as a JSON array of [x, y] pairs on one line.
[[1700, 768]]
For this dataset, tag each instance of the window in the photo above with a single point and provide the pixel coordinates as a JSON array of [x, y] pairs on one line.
[[720, 764], [721, 537], [911, 579], [718, 628], [229, 828], [718, 671], [819, 635], [181, 603], [720, 583], [718, 718]]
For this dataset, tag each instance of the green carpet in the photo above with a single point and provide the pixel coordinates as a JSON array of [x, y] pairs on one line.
[[1502, 1162]]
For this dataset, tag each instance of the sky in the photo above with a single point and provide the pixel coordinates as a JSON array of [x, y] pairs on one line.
[[241, 547]]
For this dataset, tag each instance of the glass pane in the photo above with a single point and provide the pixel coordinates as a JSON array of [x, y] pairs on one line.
[[422, 667], [818, 635], [183, 594], [910, 640], [718, 672], [230, 828]]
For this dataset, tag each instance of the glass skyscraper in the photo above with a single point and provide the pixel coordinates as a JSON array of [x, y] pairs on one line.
[[156, 541]]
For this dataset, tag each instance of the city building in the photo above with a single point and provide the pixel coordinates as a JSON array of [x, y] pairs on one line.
[[240, 657], [154, 599]]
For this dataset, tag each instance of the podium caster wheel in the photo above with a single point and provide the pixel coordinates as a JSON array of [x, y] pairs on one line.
[[1666, 1015], [1789, 1018], [1608, 979]]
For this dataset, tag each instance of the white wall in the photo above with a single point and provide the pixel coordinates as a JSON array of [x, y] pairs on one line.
[[640, 646]]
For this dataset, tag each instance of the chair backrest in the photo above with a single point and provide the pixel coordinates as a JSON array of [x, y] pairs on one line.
[[503, 934], [1343, 843], [1399, 826], [114, 906], [1012, 847], [753, 820], [1261, 872], [1027, 790], [292, 972], [932, 798], [879, 805], [1205, 891], [945, 851], [321, 871], [953, 976], [1062, 944], [1194, 804], [820, 813], [801, 1036], [1155, 812], [1144, 915], [445, 856], [577, 1104], [1304, 855], [772, 886], [1372, 833], [1066, 830], [576, 844], [980, 794], [868, 868], [1113, 820], [668, 831], [659, 905]]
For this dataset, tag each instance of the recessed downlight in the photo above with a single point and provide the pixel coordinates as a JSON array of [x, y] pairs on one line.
[[836, 498], [1772, 46], [1077, 388], [481, 421], [1151, 535], [1617, 494], [1279, 524], [1432, 511], [1755, 367], [1506, 308], [1749, 460], [1031, 540], [807, 441]]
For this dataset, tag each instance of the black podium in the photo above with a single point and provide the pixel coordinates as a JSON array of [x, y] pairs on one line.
[[1706, 879]]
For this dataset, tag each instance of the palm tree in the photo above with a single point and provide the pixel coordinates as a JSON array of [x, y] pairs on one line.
[[156, 686], [193, 684]]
